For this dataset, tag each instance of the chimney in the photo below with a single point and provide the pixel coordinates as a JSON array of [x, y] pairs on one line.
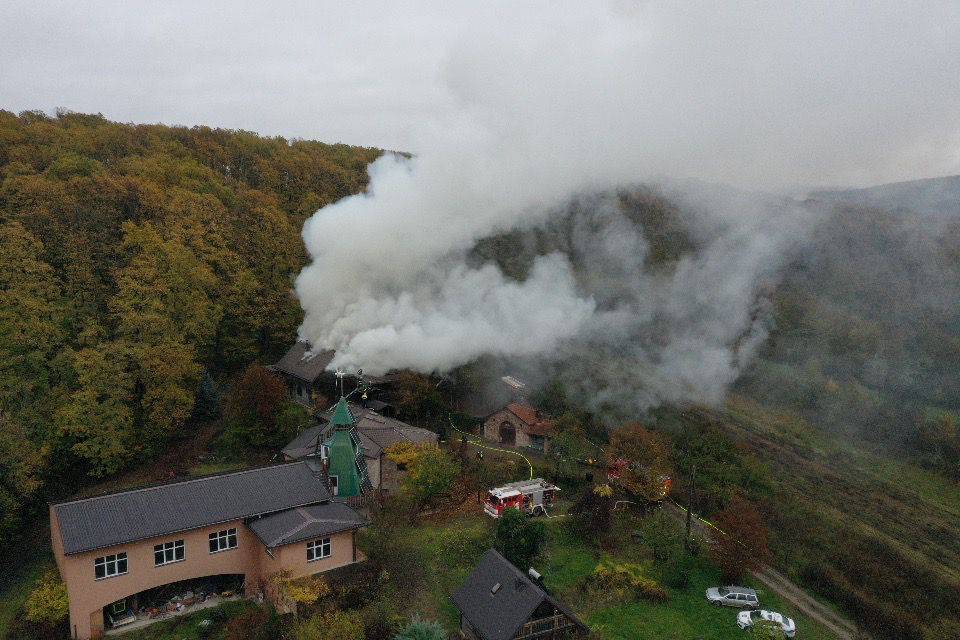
[[535, 575]]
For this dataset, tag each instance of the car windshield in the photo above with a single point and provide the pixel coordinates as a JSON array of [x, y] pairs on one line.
[[756, 614], [723, 591]]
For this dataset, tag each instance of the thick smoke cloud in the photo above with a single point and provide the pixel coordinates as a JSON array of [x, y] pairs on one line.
[[553, 113]]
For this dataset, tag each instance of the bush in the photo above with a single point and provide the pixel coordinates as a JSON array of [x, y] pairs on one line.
[[519, 539], [334, 625], [629, 580], [48, 602], [679, 570], [422, 630], [255, 624]]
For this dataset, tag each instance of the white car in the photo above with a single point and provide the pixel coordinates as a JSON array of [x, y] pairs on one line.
[[745, 620]]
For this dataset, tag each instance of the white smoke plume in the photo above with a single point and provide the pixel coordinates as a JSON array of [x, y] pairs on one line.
[[552, 108]]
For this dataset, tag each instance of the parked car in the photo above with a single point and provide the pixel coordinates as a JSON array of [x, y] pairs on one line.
[[745, 620], [731, 596]]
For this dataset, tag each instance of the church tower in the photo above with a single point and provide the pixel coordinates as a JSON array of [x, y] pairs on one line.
[[346, 464]]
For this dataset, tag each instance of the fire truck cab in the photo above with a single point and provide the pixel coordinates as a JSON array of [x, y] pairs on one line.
[[533, 497]]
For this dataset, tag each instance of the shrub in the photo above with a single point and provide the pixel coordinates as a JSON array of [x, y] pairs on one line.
[[592, 512], [679, 570], [431, 476], [519, 539], [48, 601], [422, 630], [628, 579], [254, 624], [334, 625]]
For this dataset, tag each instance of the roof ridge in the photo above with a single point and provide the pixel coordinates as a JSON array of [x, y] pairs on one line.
[[307, 521], [159, 485]]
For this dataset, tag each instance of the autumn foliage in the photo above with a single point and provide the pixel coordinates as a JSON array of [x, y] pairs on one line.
[[136, 261], [641, 458], [739, 541]]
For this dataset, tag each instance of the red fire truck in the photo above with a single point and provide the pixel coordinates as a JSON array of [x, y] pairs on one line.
[[533, 497]]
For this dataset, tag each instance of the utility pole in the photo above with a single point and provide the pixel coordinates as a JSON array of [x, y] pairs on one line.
[[690, 493]]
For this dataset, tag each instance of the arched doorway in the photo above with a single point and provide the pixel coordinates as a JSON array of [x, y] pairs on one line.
[[508, 434]]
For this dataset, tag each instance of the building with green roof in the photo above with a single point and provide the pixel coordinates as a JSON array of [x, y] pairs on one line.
[[346, 466]]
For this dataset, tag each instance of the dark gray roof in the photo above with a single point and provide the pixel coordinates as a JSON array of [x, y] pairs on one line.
[[301, 363], [376, 432], [305, 523], [117, 518], [498, 613]]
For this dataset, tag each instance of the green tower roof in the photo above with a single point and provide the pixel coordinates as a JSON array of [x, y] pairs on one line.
[[341, 415]]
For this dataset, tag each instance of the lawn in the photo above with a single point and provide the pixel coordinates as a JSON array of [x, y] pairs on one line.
[[449, 548]]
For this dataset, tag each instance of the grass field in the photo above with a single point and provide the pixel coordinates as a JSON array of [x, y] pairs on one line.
[[449, 549]]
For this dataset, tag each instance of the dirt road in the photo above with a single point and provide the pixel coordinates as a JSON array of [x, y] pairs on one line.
[[789, 590]]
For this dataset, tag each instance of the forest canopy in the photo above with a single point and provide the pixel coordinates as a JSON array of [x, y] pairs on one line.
[[136, 261]]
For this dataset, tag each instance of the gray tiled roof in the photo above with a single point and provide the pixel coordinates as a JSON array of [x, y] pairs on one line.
[[305, 523], [299, 362], [376, 432], [497, 614], [123, 517]]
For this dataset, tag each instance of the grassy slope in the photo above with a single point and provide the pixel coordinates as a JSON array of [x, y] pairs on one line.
[[913, 510], [565, 563]]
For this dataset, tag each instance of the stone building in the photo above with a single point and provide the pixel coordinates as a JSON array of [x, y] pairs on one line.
[[519, 425]]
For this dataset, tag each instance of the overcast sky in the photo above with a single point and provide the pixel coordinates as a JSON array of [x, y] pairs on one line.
[[752, 94]]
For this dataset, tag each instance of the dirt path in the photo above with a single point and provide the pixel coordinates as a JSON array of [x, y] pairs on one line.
[[789, 590], [813, 608]]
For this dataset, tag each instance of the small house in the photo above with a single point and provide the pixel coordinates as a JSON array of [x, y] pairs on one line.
[[305, 372], [519, 425], [500, 602]]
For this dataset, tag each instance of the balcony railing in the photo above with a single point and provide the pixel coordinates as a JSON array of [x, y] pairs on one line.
[[551, 625]]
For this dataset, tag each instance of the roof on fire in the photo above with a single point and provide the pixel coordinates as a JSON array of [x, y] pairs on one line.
[[128, 516]]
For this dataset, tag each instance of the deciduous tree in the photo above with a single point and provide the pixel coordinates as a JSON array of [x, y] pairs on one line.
[[739, 543], [641, 458], [519, 538]]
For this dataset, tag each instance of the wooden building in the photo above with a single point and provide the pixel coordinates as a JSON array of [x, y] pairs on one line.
[[499, 602]]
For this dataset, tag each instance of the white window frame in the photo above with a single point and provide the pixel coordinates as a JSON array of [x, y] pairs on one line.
[[170, 552], [319, 549], [335, 485], [111, 565], [223, 540]]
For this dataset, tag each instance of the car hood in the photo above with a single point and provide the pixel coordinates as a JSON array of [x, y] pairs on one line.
[[713, 593], [743, 615]]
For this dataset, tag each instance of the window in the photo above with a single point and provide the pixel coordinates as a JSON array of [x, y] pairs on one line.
[[324, 452], [334, 485], [168, 552], [109, 566], [317, 549], [223, 540]]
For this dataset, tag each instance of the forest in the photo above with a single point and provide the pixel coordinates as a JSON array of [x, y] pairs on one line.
[[144, 268], [140, 266]]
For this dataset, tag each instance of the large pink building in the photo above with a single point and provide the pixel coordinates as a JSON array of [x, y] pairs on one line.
[[253, 524]]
